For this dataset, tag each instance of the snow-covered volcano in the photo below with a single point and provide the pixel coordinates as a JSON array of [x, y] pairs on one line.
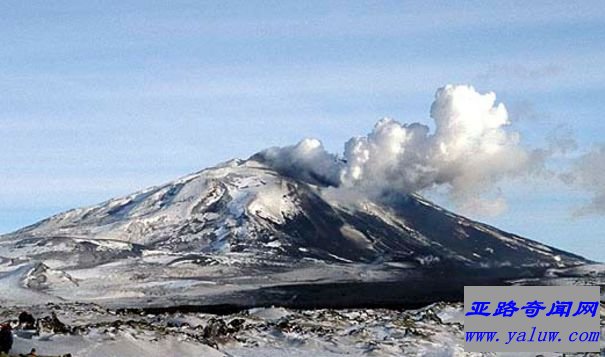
[[224, 234]]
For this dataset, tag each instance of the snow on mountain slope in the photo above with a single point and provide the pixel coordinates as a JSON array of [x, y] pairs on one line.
[[245, 206], [242, 225]]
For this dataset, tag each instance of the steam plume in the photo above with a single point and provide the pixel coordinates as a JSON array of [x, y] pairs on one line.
[[468, 153]]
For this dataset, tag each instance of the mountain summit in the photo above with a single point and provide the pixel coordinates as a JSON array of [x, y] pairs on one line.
[[242, 233]]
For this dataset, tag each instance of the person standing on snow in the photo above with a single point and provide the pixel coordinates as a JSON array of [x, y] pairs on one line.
[[6, 338]]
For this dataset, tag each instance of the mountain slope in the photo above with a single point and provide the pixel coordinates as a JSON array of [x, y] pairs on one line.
[[243, 226]]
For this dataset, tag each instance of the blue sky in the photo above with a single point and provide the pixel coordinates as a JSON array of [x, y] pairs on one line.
[[101, 98]]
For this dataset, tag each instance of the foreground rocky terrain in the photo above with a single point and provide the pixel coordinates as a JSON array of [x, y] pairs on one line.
[[90, 330]]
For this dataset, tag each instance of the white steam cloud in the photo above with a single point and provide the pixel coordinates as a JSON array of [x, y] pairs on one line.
[[470, 150], [307, 160]]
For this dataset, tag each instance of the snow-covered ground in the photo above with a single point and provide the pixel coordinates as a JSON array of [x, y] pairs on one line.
[[436, 330]]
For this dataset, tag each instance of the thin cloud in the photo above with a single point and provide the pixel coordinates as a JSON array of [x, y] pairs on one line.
[[587, 174], [520, 72]]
